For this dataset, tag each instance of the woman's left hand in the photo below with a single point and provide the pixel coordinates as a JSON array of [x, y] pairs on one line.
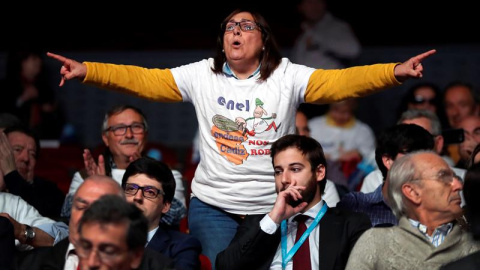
[[412, 68]]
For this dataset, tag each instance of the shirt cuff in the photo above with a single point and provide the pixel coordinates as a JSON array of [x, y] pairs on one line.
[[268, 225], [57, 230]]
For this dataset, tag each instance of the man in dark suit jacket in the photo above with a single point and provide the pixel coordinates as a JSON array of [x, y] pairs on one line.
[[62, 253], [149, 184], [299, 169]]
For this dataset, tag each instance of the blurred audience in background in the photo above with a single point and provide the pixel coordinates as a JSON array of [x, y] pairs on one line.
[[27, 94]]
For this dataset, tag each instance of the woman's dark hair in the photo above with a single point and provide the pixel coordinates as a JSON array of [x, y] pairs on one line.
[[270, 57]]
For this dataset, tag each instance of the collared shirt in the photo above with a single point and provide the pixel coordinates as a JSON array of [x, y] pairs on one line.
[[438, 234], [372, 204], [71, 258], [229, 72], [268, 226], [150, 235]]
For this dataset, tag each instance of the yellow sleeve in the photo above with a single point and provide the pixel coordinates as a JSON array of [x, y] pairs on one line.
[[327, 86], [153, 84]]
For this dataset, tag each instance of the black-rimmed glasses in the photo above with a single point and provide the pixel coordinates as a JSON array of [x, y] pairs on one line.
[[148, 192], [245, 26], [135, 128]]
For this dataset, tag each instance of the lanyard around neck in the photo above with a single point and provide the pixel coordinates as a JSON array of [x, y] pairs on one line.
[[286, 257]]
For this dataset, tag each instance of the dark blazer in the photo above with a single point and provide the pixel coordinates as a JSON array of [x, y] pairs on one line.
[[7, 244], [252, 248], [184, 249], [42, 194], [50, 258]]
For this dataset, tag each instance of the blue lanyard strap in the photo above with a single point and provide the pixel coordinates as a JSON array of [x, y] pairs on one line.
[[287, 257]]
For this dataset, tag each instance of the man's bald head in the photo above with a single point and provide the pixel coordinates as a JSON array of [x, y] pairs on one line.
[[89, 191]]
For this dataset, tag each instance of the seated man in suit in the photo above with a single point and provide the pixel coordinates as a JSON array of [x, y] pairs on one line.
[[149, 184], [299, 169], [112, 235], [63, 255], [424, 194]]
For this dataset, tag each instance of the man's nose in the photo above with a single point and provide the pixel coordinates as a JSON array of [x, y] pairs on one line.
[[286, 179], [138, 196], [23, 156], [129, 133], [93, 260], [457, 184]]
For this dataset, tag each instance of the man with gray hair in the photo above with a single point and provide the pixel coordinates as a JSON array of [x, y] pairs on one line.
[[124, 133], [424, 194]]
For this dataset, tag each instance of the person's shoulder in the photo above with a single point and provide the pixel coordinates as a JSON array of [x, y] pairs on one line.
[[334, 21], [353, 196], [5, 196], [43, 182], [356, 221], [317, 120], [155, 260], [363, 125], [346, 213], [183, 237]]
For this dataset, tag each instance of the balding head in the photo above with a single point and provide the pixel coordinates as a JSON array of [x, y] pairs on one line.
[[89, 191]]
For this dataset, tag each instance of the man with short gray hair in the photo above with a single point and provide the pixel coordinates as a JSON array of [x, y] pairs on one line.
[[424, 194]]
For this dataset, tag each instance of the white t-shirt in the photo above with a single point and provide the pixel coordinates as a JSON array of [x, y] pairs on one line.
[[358, 137], [235, 171]]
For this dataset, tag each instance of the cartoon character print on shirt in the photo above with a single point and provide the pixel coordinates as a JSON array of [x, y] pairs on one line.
[[230, 135], [257, 123]]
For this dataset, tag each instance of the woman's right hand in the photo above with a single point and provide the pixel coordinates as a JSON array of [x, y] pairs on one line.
[[70, 69]]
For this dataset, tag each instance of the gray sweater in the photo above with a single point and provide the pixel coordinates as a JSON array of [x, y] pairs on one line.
[[404, 247]]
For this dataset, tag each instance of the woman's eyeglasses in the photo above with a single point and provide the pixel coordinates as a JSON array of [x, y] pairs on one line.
[[245, 26]]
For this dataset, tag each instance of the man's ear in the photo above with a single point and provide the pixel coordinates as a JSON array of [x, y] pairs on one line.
[[104, 138], [412, 192], [320, 172], [387, 161], [166, 207], [439, 142]]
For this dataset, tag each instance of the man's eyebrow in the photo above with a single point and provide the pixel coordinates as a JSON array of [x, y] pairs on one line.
[[80, 200]]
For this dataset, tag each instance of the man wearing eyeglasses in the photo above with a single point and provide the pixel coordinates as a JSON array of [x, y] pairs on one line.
[[112, 235], [424, 194], [124, 132], [149, 184], [64, 254]]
